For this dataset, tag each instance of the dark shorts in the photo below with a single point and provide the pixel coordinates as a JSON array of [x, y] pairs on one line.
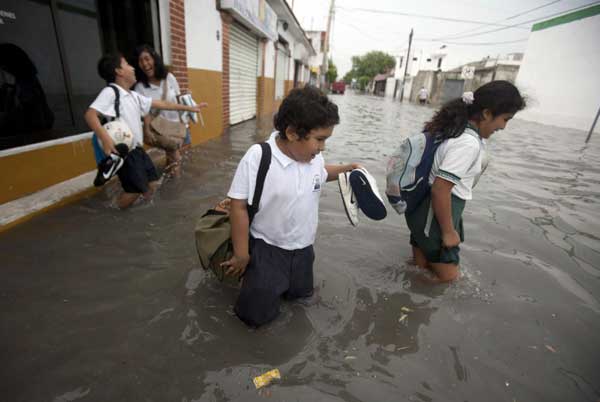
[[137, 171], [431, 244], [422, 101], [273, 273]]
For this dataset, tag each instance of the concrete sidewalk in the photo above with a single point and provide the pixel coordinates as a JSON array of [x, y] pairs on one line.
[[15, 212]]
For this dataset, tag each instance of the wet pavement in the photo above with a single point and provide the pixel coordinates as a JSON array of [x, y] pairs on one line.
[[98, 304]]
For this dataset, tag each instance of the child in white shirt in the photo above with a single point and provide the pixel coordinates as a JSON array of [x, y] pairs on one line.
[[138, 175], [463, 124], [275, 252]]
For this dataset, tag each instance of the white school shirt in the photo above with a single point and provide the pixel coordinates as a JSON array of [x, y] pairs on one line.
[[289, 205], [156, 92], [133, 107], [459, 160]]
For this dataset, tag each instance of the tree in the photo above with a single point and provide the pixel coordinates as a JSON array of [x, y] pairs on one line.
[[348, 77], [331, 72], [363, 82], [371, 64]]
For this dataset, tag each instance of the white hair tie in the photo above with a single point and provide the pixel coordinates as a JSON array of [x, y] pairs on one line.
[[468, 98]]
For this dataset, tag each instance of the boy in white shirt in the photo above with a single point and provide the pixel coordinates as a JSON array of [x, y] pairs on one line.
[[138, 175], [275, 252]]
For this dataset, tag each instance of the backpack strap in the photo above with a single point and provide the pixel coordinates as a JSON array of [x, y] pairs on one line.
[[263, 168], [117, 100]]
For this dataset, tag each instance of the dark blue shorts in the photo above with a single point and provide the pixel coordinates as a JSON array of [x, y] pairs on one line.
[[273, 273], [137, 171]]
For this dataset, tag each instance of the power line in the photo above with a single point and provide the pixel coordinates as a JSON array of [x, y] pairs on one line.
[[432, 17], [442, 39], [506, 19], [476, 43], [533, 9]]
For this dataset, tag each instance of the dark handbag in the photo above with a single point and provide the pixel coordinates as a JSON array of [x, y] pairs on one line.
[[213, 230]]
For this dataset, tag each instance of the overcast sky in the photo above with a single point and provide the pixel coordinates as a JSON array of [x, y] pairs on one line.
[[356, 32]]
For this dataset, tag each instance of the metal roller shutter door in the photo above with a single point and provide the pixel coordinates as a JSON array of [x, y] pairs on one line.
[[243, 68]]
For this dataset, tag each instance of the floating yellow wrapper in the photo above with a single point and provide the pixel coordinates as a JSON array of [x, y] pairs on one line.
[[266, 378]]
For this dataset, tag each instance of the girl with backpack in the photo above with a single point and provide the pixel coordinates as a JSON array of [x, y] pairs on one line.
[[462, 125]]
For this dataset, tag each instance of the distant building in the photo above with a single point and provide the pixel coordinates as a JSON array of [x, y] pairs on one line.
[[443, 86], [560, 71], [418, 60], [317, 73]]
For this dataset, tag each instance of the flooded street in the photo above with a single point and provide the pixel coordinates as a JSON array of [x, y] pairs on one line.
[[102, 305]]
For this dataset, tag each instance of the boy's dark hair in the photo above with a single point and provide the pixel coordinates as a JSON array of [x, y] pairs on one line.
[[303, 110], [497, 96], [107, 66], [160, 71]]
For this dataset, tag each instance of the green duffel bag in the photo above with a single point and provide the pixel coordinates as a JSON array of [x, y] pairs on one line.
[[213, 241], [213, 230]]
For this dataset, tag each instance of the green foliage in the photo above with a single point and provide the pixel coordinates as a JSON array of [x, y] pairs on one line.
[[348, 77], [363, 82], [331, 72], [370, 64]]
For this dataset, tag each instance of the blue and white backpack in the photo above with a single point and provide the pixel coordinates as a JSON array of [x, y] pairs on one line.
[[408, 171]]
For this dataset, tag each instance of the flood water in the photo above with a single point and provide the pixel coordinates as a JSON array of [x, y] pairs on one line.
[[98, 304]]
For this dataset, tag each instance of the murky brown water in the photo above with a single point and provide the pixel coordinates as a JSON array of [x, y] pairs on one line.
[[102, 305]]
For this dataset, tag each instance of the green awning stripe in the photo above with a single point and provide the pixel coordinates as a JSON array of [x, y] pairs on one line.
[[564, 19]]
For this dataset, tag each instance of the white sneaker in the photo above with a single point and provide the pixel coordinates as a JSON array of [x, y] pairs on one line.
[[350, 205], [367, 195]]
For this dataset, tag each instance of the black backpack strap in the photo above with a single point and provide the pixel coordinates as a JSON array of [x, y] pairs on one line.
[[263, 168], [117, 100]]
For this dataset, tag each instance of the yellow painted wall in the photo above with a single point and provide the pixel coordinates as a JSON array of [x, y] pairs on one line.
[[265, 99], [205, 86], [31, 171], [287, 86]]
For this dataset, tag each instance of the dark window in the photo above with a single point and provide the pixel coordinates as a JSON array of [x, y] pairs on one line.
[[428, 60], [415, 59], [49, 50]]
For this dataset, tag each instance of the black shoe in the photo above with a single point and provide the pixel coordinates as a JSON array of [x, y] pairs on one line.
[[107, 168]]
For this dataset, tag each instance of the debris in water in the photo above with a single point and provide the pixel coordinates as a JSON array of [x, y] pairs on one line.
[[402, 317], [266, 378], [406, 309], [551, 349]]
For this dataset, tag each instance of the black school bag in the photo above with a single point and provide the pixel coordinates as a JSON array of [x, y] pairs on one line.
[[213, 230]]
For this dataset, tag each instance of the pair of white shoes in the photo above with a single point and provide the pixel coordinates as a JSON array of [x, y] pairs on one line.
[[359, 190]]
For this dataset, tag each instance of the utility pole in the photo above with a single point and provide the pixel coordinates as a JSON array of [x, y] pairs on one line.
[[326, 43], [406, 65], [593, 126]]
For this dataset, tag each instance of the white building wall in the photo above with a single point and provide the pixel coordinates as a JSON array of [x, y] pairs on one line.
[[164, 17], [390, 84], [202, 23], [560, 74], [269, 59]]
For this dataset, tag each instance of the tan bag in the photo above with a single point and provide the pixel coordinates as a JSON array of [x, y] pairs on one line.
[[165, 134]]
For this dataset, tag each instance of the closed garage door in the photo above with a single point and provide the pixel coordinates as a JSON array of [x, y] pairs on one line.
[[243, 68]]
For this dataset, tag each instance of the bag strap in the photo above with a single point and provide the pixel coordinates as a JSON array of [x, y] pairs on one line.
[[117, 100], [165, 88], [263, 168]]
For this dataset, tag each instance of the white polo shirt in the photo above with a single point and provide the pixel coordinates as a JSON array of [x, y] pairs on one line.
[[459, 160], [289, 205], [133, 107], [156, 92]]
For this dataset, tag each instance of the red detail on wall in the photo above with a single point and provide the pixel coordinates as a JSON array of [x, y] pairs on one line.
[[178, 47]]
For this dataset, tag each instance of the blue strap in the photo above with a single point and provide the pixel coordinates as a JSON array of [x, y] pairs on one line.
[[99, 154]]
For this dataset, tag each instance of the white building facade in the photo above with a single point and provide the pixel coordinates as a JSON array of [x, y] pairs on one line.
[[560, 71]]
